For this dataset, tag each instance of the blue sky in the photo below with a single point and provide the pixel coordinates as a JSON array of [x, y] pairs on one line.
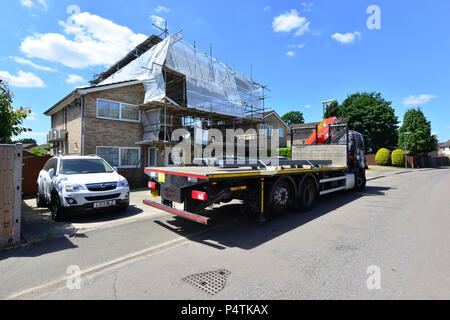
[[305, 51]]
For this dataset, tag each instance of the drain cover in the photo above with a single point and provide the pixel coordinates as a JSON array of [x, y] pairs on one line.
[[211, 282]]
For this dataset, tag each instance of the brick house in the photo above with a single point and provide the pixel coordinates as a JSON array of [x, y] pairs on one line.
[[273, 124]]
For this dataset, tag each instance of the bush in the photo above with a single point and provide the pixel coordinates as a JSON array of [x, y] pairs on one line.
[[382, 157], [285, 152], [398, 158]]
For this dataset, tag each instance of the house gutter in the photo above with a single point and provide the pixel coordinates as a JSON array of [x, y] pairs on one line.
[[82, 124]]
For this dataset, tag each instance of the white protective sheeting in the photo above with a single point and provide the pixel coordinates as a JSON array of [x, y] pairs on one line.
[[210, 85], [146, 68]]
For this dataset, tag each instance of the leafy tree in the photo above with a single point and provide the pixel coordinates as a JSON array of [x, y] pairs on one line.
[[10, 120], [333, 110], [371, 115], [41, 151], [293, 117], [415, 133], [26, 141]]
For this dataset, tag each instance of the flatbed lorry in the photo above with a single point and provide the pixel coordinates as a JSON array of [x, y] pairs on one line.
[[266, 186]]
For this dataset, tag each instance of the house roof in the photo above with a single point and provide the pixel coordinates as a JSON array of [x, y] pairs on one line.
[[83, 90], [268, 113], [304, 125], [444, 144], [132, 55]]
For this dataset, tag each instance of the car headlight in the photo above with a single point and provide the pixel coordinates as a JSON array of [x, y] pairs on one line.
[[70, 187], [123, 183]]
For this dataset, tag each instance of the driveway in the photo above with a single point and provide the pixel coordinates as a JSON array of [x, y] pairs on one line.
[[37, 223]]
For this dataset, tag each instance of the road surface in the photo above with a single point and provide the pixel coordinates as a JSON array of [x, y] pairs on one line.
[[388, 242]]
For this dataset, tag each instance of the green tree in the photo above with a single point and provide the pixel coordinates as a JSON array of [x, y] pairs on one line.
[[371, 115], [26, 140], [415, 133], [333, 110], [293, 117], [10, 120]]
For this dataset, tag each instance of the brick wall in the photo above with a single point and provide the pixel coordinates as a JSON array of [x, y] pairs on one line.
[[115, 133]]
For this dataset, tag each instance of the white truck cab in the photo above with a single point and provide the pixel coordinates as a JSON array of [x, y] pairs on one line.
[[80, 183]]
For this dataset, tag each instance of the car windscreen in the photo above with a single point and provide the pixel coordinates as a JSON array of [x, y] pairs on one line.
[[84, 166]]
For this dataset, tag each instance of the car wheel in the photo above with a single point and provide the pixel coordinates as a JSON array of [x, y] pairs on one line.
[[124, 206], [40, 200], [56, 208]]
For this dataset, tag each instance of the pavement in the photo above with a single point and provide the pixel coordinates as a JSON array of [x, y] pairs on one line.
[[399, 224]]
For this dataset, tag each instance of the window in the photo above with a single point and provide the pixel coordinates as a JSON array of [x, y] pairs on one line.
[[84, 166], [152, 154], [117, 111], [281, 132], [120, 157], [266, 130]]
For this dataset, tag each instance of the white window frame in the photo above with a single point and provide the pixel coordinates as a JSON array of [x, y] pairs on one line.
[[120, 111], [120, 155], [266, 131], [156, 157], [281, 132]]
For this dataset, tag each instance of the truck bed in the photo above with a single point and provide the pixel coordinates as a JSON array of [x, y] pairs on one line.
[[215, 173]]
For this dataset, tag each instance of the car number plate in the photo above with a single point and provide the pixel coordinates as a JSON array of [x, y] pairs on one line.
[[154, 193], [104, 204]]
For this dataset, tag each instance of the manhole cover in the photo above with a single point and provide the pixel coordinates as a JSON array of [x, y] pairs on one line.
[[211, 282]]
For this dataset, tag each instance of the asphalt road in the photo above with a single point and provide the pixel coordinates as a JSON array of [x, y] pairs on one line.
[[400, 224]]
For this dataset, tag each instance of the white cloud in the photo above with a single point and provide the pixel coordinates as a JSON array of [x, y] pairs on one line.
[[73, 78], [307, 6], [160, 22], [30, 3], [295, 46], [413, 101], [290, 53], [32, 64], [308, 106], [27, 3], [290, 21], [96, 41], [22, 80], [267, 9], [346, 38], [31, 134], [162, 9], [33, 116]]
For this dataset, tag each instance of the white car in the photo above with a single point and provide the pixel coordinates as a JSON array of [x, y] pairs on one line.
[[80, 182]]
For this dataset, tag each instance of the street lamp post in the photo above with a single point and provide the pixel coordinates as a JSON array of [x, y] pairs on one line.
[[404, 147]]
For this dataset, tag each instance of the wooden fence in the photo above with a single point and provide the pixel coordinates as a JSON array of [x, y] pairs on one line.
[[32, 165], [10, 194]]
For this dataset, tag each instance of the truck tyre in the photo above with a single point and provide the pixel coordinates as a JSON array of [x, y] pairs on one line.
[[40, 200], [360, 180], [308, 195], [281, 197], [55, 207]]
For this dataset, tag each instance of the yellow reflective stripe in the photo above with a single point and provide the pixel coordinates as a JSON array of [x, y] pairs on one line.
[[269, 173]]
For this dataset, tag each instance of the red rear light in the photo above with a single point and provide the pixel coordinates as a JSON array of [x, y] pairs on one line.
[[199, 195], [152, 185]]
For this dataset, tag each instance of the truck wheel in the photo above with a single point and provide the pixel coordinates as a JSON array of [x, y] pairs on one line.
[[56, 208], [281, 197], [40, 200], [308, 195], [360, 181]]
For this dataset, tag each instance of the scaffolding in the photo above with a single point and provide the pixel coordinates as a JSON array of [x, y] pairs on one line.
[[180, 80]]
